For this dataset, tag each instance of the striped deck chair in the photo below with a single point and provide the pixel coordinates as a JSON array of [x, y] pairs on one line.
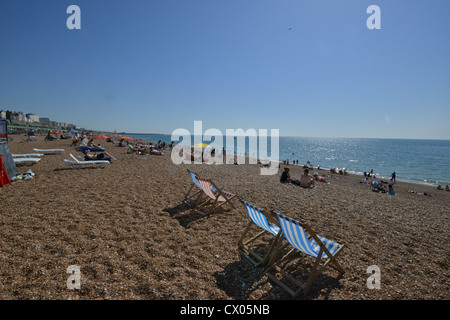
[[216, 197], [296, 233], [191, 198], [258, 218]]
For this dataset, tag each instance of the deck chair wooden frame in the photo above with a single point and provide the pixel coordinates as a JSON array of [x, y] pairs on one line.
[[191, 196], [215, 197], [258, 219], [323, 250]]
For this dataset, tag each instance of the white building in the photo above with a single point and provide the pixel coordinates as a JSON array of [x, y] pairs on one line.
[[21, 117], [32, 117]]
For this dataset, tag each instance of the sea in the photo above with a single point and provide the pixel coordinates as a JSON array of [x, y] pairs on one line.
[[412, 160]]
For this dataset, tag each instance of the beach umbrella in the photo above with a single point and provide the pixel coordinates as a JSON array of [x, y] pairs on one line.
[[56, 132], [101, 136], [201, 146], [126, 138], [73, 130]]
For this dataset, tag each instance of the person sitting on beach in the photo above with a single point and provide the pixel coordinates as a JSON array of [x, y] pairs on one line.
[[391, 190], [285, 176], [75, 142], [381, 188], [306, 180], [374, 185], [91, 143], [447, 188], [439, 187]]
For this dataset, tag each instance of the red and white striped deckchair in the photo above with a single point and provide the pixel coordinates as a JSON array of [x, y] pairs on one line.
[[216, 197], [191, 196]]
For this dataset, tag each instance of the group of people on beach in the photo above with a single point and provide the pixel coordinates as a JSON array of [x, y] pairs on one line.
[[379, 186], [306, 180], [89, 155], [142, 147], [447, 188]]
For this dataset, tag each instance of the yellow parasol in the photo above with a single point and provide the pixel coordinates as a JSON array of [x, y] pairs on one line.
[[201, 146]]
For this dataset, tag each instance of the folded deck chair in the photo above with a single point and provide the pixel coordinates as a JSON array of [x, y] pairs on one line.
[[323, 250], [258, 218], [77, 164], [49, 151], [191, 198], [214, 198], [26, 161]]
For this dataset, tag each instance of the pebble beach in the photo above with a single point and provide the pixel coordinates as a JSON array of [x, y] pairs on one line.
[[127, 229]]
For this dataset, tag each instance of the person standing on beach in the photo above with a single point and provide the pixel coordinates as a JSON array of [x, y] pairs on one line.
[[393, 176]]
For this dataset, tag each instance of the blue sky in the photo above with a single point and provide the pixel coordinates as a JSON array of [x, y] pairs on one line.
[[152, 66]]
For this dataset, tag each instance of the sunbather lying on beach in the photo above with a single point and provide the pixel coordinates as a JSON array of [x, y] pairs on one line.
[[319, 178], [425, 194], [88, 156], [157, 153]]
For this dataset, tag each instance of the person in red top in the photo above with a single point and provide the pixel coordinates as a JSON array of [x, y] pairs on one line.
[[319, 178]]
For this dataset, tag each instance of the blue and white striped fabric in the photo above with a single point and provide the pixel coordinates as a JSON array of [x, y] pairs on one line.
[[297, 237], [194, 179], [260, 219]]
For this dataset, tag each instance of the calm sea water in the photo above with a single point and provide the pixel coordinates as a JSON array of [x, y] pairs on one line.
[[419, 161]]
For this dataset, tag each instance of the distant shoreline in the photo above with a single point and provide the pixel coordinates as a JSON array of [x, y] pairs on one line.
[[306, 137]]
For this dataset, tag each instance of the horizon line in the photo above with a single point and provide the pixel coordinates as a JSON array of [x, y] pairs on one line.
[[289, 136]]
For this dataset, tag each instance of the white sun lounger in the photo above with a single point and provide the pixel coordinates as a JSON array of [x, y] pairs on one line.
[[77, 164], [28, 155], [26, 161], [49, 151]]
